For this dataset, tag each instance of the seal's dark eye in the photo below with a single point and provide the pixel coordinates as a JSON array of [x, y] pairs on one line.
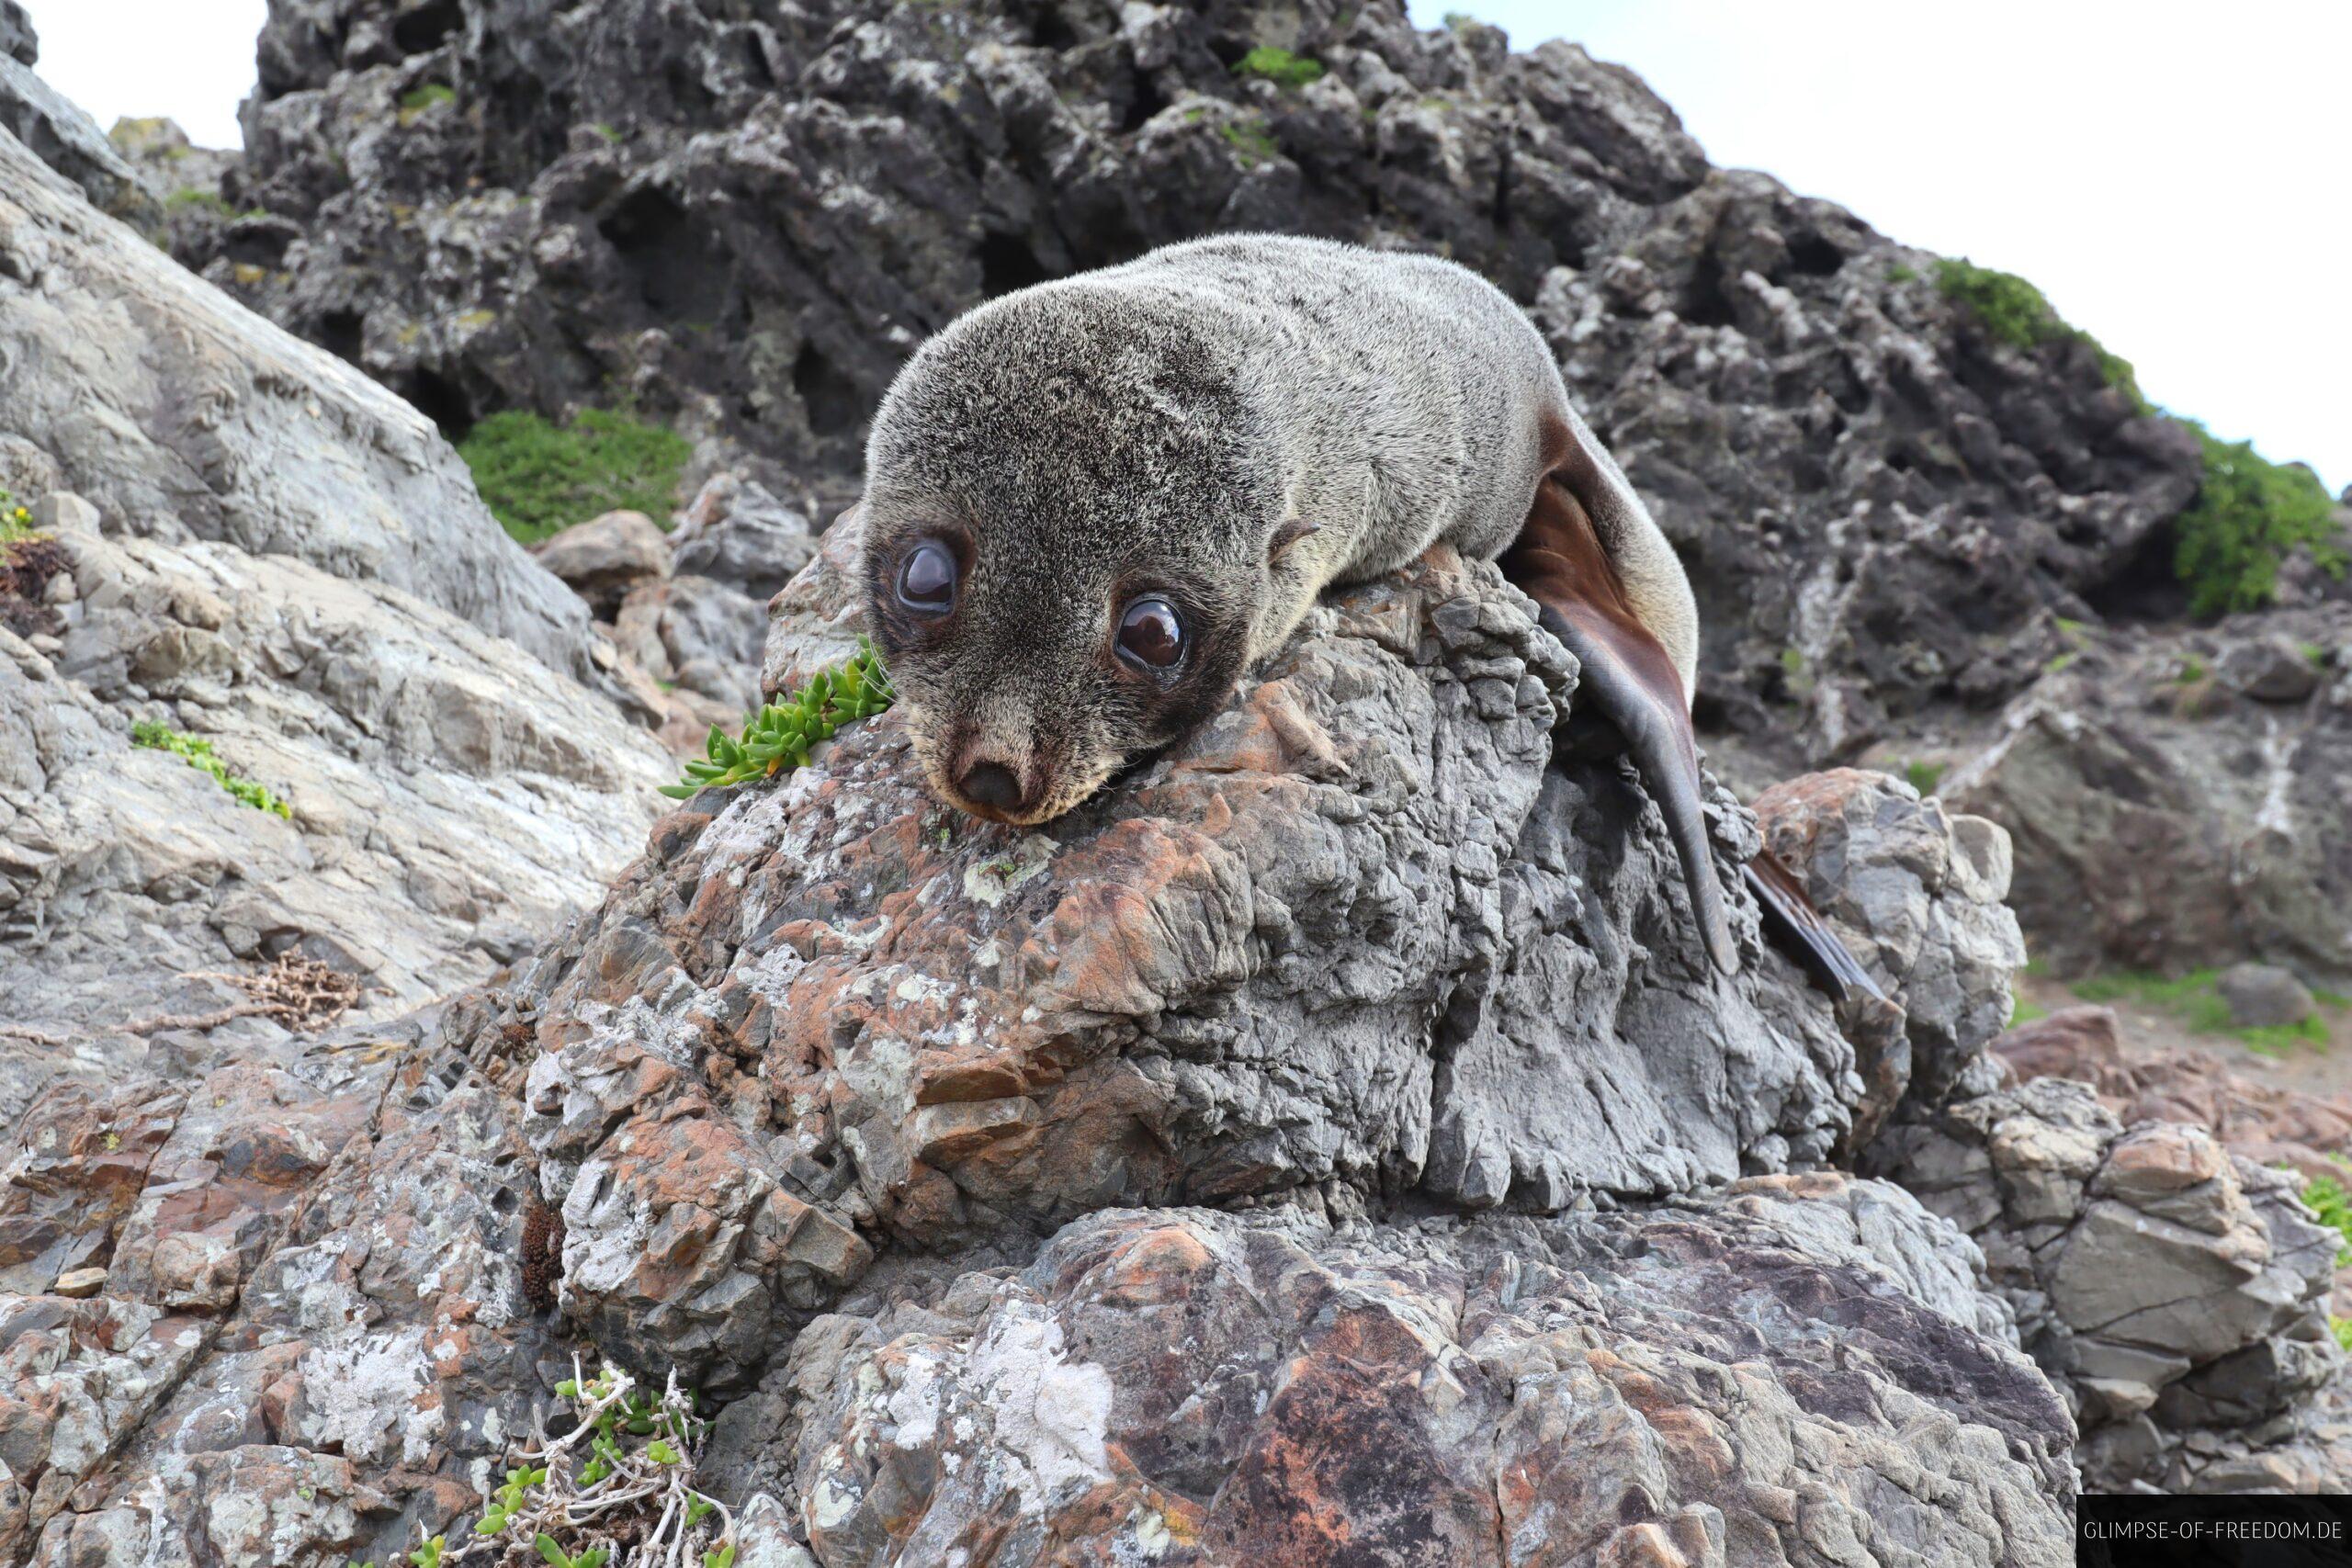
[[1151, 635], [927, 579]]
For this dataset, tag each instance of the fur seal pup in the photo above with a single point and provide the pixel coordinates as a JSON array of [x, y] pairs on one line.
[[1093, 503]]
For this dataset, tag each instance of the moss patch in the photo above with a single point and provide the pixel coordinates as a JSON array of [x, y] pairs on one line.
[[197, 754], [422, 101], [1251, 141], [2249, 515], [1279, 66], [540, 477], [2016, 312]]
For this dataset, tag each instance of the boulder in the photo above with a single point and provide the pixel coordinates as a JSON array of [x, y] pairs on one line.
[[48, 125], [18, 39], [2179, 1294], [1353, 937], [1184, 1386], [2262, 995], [735, 532], [189, 419], [2269, 1124], [603, 558], [2164, 819], [448, 796]]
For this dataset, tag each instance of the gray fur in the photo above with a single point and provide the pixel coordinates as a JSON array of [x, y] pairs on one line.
[[1155, 425]]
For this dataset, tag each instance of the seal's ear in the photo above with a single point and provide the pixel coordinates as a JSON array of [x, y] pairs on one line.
[[1293, 530], [1558, 562]]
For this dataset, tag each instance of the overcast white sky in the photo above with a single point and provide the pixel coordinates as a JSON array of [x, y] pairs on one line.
[[2178, 179]]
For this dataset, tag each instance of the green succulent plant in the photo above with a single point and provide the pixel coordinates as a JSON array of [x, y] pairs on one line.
[[779, 736]]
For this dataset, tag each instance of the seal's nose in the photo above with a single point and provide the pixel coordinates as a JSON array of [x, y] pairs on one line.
[[991, 785]]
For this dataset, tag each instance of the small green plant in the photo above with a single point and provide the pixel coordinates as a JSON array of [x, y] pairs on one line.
[[2191, 670], [210, 200], [1279, 66], [2330, 1204], [635, 1485], [1251, 141], [2023, 1011], [16, 522], [196, 753], [2015, 312], [1901, 272], [430, 96], [610, 132], [780, 735], [2315, 654], [1924, 776], [540, 477], [2249, 515], [2342, 1330]]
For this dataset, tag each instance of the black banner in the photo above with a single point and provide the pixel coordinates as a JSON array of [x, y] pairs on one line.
[[2214, 1532]]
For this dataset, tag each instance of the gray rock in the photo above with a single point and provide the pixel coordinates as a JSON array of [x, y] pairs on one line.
[[2261, 995], [441, 783], [2175, 1291], [1190, 1387], [603, 558], [192, 419], [2270, 669], [2163, 822], [45, 122], [738, 534], [18, 40]]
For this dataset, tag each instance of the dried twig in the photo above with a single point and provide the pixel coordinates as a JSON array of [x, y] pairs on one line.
[[300, 993]]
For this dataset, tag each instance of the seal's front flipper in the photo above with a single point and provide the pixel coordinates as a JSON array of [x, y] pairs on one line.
[[1558, 562], [1798, 929]]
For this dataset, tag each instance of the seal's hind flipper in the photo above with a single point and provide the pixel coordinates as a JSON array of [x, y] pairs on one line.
[[1558, 562], [1799, 930]]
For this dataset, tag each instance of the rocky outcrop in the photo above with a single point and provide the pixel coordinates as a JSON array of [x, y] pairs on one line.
[[1299, 1151], [1899, 521], [749, 222], [185, 418], [2180, 1295], [2179, 799], [1192, 1387], [270, 563], [2263, 1123], [448, 797], [58, 132]]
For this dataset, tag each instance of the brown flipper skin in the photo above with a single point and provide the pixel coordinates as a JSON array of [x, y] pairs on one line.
[[1799, 930], [1558, 562]]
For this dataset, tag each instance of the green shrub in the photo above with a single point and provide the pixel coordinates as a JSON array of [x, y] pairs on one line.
[[1279, 66], [1924, 776], [2328, 1200], [2015, 312], [779, 736], [540, 477], [16, 522], [2343, 1327], [432, 95], [197, 754], [2249, 515]]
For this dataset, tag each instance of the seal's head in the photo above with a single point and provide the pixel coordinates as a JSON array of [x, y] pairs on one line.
[[1068, 501]]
